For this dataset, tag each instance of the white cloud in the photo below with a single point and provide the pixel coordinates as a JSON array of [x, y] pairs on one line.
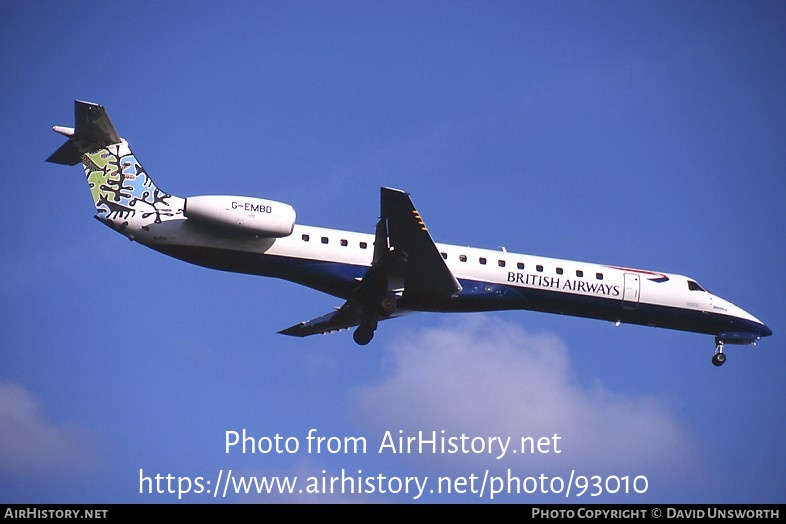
[[29, 443], [484, 377]]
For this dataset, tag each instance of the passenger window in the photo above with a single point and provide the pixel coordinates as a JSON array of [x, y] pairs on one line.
[[579, 273], [324, 240], [539, 268], [482, 260], [463, 258], [344, 243], [501, 263], [520, 265], [363, 245], [305, 238], [444, 255], [599, 276], [559, 270]]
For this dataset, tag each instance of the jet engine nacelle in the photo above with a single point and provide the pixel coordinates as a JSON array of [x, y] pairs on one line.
[[251, 215]]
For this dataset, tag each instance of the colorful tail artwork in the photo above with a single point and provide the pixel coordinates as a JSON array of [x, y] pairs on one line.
[[122, 191]]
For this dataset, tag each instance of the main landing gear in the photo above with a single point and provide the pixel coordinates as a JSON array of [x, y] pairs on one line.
[[365, 331], [363, 335], [719, 358]]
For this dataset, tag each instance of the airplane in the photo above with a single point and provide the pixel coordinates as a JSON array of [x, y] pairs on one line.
[[397, 270]]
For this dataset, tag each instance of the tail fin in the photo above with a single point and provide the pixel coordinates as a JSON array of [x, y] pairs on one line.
[[122, 191], [93, 131]]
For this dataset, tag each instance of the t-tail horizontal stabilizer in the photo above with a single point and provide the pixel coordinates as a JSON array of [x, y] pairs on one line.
[[93, 131]]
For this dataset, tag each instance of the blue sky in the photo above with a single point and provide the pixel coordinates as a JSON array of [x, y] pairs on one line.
[[639, 134]]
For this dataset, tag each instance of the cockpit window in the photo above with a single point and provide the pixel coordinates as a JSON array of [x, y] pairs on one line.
[[693, 286]]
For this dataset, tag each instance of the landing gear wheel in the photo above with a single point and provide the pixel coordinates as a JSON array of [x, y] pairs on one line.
[[719, 358], [363, 335], [388, 304]]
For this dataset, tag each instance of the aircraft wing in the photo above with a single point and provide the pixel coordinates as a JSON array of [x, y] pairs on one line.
[[426, 276], [404, 250], [346, 316]]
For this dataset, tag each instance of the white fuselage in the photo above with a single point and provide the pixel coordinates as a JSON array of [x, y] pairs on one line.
[[489, 278]]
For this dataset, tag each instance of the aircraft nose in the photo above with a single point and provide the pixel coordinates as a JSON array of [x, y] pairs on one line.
[[765, 331]]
